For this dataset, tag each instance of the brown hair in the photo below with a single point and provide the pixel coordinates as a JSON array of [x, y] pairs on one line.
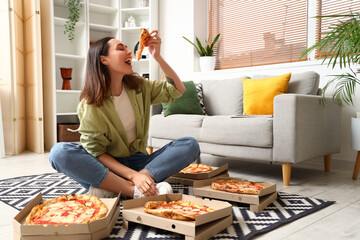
[[97, 79]]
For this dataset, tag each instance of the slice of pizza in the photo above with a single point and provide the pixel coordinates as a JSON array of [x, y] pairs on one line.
[[144, 38], [178, 210], [235, 186], [196, 168]]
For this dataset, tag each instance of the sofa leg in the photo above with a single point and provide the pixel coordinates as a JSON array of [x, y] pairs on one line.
[[327, 162], [149, 150], [286, 171]]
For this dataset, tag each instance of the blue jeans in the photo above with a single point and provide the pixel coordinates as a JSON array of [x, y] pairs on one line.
[[74, 161]]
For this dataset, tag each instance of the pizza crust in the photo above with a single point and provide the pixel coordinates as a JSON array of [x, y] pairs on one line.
[[67, 209], [235, 186], [177, 210]]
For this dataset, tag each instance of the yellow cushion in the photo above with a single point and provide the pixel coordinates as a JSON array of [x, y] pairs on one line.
[[259, 93]]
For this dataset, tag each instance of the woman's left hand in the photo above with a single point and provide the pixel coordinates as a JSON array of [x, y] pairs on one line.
[[154, 44]]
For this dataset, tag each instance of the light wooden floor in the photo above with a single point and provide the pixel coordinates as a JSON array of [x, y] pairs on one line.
[[338, 221]]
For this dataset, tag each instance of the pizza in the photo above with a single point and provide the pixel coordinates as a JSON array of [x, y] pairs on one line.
[[178, 210], [196, 168], [144, 37], [67, 209], [236, 186]]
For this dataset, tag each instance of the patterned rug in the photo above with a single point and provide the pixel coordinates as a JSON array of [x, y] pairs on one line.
[[17, 192]]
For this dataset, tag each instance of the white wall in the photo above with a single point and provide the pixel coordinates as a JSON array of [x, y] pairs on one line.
[[188, 18]]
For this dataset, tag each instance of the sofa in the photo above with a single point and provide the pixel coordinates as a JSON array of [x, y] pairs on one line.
[[301, 127]]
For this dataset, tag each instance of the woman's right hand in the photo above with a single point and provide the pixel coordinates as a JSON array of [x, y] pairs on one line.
[[146, 185]]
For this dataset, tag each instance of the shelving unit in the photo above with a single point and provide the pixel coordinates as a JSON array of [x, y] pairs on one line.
[[98, 19]]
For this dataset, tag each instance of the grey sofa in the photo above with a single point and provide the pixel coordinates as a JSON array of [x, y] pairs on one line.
[[300, 128]]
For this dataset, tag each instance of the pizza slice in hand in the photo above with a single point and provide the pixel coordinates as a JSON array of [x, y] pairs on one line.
[[144, 38]]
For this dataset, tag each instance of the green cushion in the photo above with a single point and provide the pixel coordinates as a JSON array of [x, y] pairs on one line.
[[188, 103]]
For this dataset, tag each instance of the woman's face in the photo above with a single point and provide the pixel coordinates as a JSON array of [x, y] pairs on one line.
[[119, 58]]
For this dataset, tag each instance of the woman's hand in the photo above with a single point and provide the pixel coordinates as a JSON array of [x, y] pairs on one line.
[[154, 44], [146, 185]]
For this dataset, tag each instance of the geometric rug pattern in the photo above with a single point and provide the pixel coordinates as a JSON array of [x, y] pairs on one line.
[[17, 192]]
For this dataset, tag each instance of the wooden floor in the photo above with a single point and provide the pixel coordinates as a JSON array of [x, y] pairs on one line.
[[338, 221]]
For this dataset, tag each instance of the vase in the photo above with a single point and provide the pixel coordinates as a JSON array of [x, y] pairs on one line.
[[207, 63], [66, 76]]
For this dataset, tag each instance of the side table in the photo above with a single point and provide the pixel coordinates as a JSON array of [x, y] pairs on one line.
[[355, 143]]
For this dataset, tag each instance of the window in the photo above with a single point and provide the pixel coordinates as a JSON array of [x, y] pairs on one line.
[[331, 7], [258, 32]]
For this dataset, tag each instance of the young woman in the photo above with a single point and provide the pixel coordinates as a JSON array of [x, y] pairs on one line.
[[114, 115]]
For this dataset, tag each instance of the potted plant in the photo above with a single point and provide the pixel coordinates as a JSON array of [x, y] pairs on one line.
[[207, 60], [74, 14], [342, 44]]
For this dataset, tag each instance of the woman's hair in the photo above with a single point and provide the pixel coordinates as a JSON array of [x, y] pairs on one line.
[[97, 78]]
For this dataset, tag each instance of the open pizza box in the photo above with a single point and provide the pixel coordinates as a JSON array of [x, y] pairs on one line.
[[257, 202], [203, 227], [98, 229], [199, 179]]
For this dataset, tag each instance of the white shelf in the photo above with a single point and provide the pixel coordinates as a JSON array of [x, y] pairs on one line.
[[69, 91], [102, 28], [66, 114], [101, 9], [62, 4], [134, 60], [70, 56], [136, 11], [133, 28], [61, 21]]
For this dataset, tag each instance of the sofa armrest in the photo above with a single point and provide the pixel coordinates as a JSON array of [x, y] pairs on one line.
[[155, 109], [305, 128]]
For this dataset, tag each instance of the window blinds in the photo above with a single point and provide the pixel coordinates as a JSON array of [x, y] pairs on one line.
[[257, 32], [332, 7]]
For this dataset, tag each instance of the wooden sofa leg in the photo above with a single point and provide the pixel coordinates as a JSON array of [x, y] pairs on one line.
[[286, 171], [149, 150], [357, 166], [327, 162]]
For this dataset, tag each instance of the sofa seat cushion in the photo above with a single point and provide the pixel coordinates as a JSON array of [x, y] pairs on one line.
[[255, 131], [176, 126]]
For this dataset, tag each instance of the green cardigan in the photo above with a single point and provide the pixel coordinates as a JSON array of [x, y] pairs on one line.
[[102, 130]]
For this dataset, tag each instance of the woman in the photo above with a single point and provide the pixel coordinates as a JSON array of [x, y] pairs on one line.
[[114, 114]]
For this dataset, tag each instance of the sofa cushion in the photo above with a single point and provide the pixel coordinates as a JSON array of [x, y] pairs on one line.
[[255, 131], [259, 93], [188, 103], [223, 97], [176, 126], [301, 83]]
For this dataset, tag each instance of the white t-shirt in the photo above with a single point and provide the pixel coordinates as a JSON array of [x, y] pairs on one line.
[[126, 114]]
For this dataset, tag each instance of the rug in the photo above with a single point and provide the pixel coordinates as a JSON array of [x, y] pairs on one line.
[[17, 192]]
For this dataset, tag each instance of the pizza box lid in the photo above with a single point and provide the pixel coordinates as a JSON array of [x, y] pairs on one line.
[[215, 171], [196, 182], [133, 211], [207, 191], [21, 229]]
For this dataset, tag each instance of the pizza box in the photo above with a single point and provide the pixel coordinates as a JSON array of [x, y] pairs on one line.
[[98, 229], [207, 191], [194, 182], [204, 226], [215, 171]]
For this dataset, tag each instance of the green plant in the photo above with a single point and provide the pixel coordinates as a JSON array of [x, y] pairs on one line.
[[341, 44], [74, 14], [207, 50]]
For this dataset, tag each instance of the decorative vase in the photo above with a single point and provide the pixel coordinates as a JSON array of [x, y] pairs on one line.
[[66, 76], [207, 63]]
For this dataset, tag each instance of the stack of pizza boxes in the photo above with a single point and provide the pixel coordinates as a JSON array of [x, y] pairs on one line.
[[200, 179], [95, 230]]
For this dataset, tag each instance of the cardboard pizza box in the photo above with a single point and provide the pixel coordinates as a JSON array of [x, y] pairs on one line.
[[221, 218], [196, 182], [95, 230], [207, 191], [215, 171]]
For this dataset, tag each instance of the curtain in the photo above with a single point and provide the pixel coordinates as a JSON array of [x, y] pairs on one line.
[[21, 88]]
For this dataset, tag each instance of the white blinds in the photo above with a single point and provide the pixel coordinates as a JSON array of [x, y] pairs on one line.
[[257, 32]]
